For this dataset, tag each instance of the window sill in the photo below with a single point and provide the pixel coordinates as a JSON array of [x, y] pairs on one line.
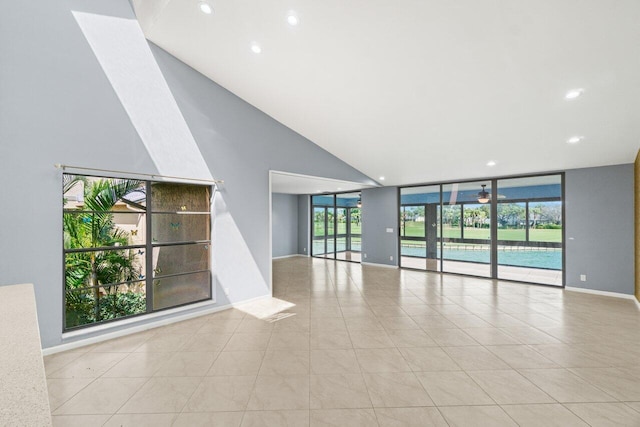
[[165, 316]]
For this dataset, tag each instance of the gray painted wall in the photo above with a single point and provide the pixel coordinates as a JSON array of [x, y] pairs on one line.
[[59, 107], [284, 224], [600, 228], [380, 212], [304, 220]]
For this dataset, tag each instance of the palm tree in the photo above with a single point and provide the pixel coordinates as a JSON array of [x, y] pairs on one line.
[[93, 227]]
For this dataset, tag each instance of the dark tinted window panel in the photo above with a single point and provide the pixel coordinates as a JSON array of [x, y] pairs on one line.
[[173, 228], [170, 197], [179, 290], [169, 260]]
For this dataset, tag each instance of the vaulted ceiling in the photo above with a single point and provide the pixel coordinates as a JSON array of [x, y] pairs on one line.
[[426, 90]]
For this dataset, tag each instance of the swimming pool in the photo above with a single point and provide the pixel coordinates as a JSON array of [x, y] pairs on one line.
[[547, 259]]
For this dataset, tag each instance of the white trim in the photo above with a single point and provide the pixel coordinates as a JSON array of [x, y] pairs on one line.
[[139, 328], [134, 320], [373, 264], [602, 293], [288, 256], [322, 178]]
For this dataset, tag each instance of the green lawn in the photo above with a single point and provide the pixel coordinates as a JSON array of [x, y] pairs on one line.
[[416, 229], [545, 235], [413, 229], [318, 228]]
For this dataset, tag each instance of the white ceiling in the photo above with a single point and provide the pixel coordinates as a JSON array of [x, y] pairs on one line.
[[288, 183], [426, 90]]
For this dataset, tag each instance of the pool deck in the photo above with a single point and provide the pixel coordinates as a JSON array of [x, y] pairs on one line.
[[521, 274]]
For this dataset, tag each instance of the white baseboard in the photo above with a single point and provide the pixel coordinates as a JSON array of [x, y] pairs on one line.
[[603, 293], [138, 328], [373, 264], [288, 256]]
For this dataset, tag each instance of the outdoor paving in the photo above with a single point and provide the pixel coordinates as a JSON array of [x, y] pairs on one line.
[[505, 272]]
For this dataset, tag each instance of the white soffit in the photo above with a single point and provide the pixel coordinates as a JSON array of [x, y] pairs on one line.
[[423, 91], [287, 183]]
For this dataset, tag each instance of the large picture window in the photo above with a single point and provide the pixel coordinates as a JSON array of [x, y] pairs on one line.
[[133, 247]]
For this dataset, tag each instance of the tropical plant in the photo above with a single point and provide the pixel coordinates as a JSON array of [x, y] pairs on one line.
[[93, 227]]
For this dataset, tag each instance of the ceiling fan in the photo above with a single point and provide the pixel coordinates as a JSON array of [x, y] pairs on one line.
[[485, 197]]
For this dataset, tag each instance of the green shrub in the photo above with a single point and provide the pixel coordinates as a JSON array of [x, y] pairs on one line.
[[80, 308], [549, 227]]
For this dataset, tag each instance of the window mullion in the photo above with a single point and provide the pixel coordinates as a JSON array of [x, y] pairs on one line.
[[149, 251]]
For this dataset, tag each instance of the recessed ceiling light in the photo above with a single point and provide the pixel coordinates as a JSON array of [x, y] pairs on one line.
[[575, 139], [339, 188], [574, 93], [255, 48], [205, 7], [382, 178], [491, 163], [292, 19]]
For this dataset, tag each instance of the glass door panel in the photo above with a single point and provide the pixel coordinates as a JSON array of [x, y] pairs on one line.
[[419, 219], [341, 233], [530, 229], [319, 231], [354, 241], [348, 227], [466, 228], [413, 246], [432, 229], [331, 233], [355, 230]]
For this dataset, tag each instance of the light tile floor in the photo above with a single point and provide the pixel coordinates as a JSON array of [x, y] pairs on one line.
[[342, 344]]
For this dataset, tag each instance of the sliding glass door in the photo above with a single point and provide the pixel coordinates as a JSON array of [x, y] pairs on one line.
[[498, 228], [466, 228], [419, 227], [529, 246], [322, 230], [336, 226]]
